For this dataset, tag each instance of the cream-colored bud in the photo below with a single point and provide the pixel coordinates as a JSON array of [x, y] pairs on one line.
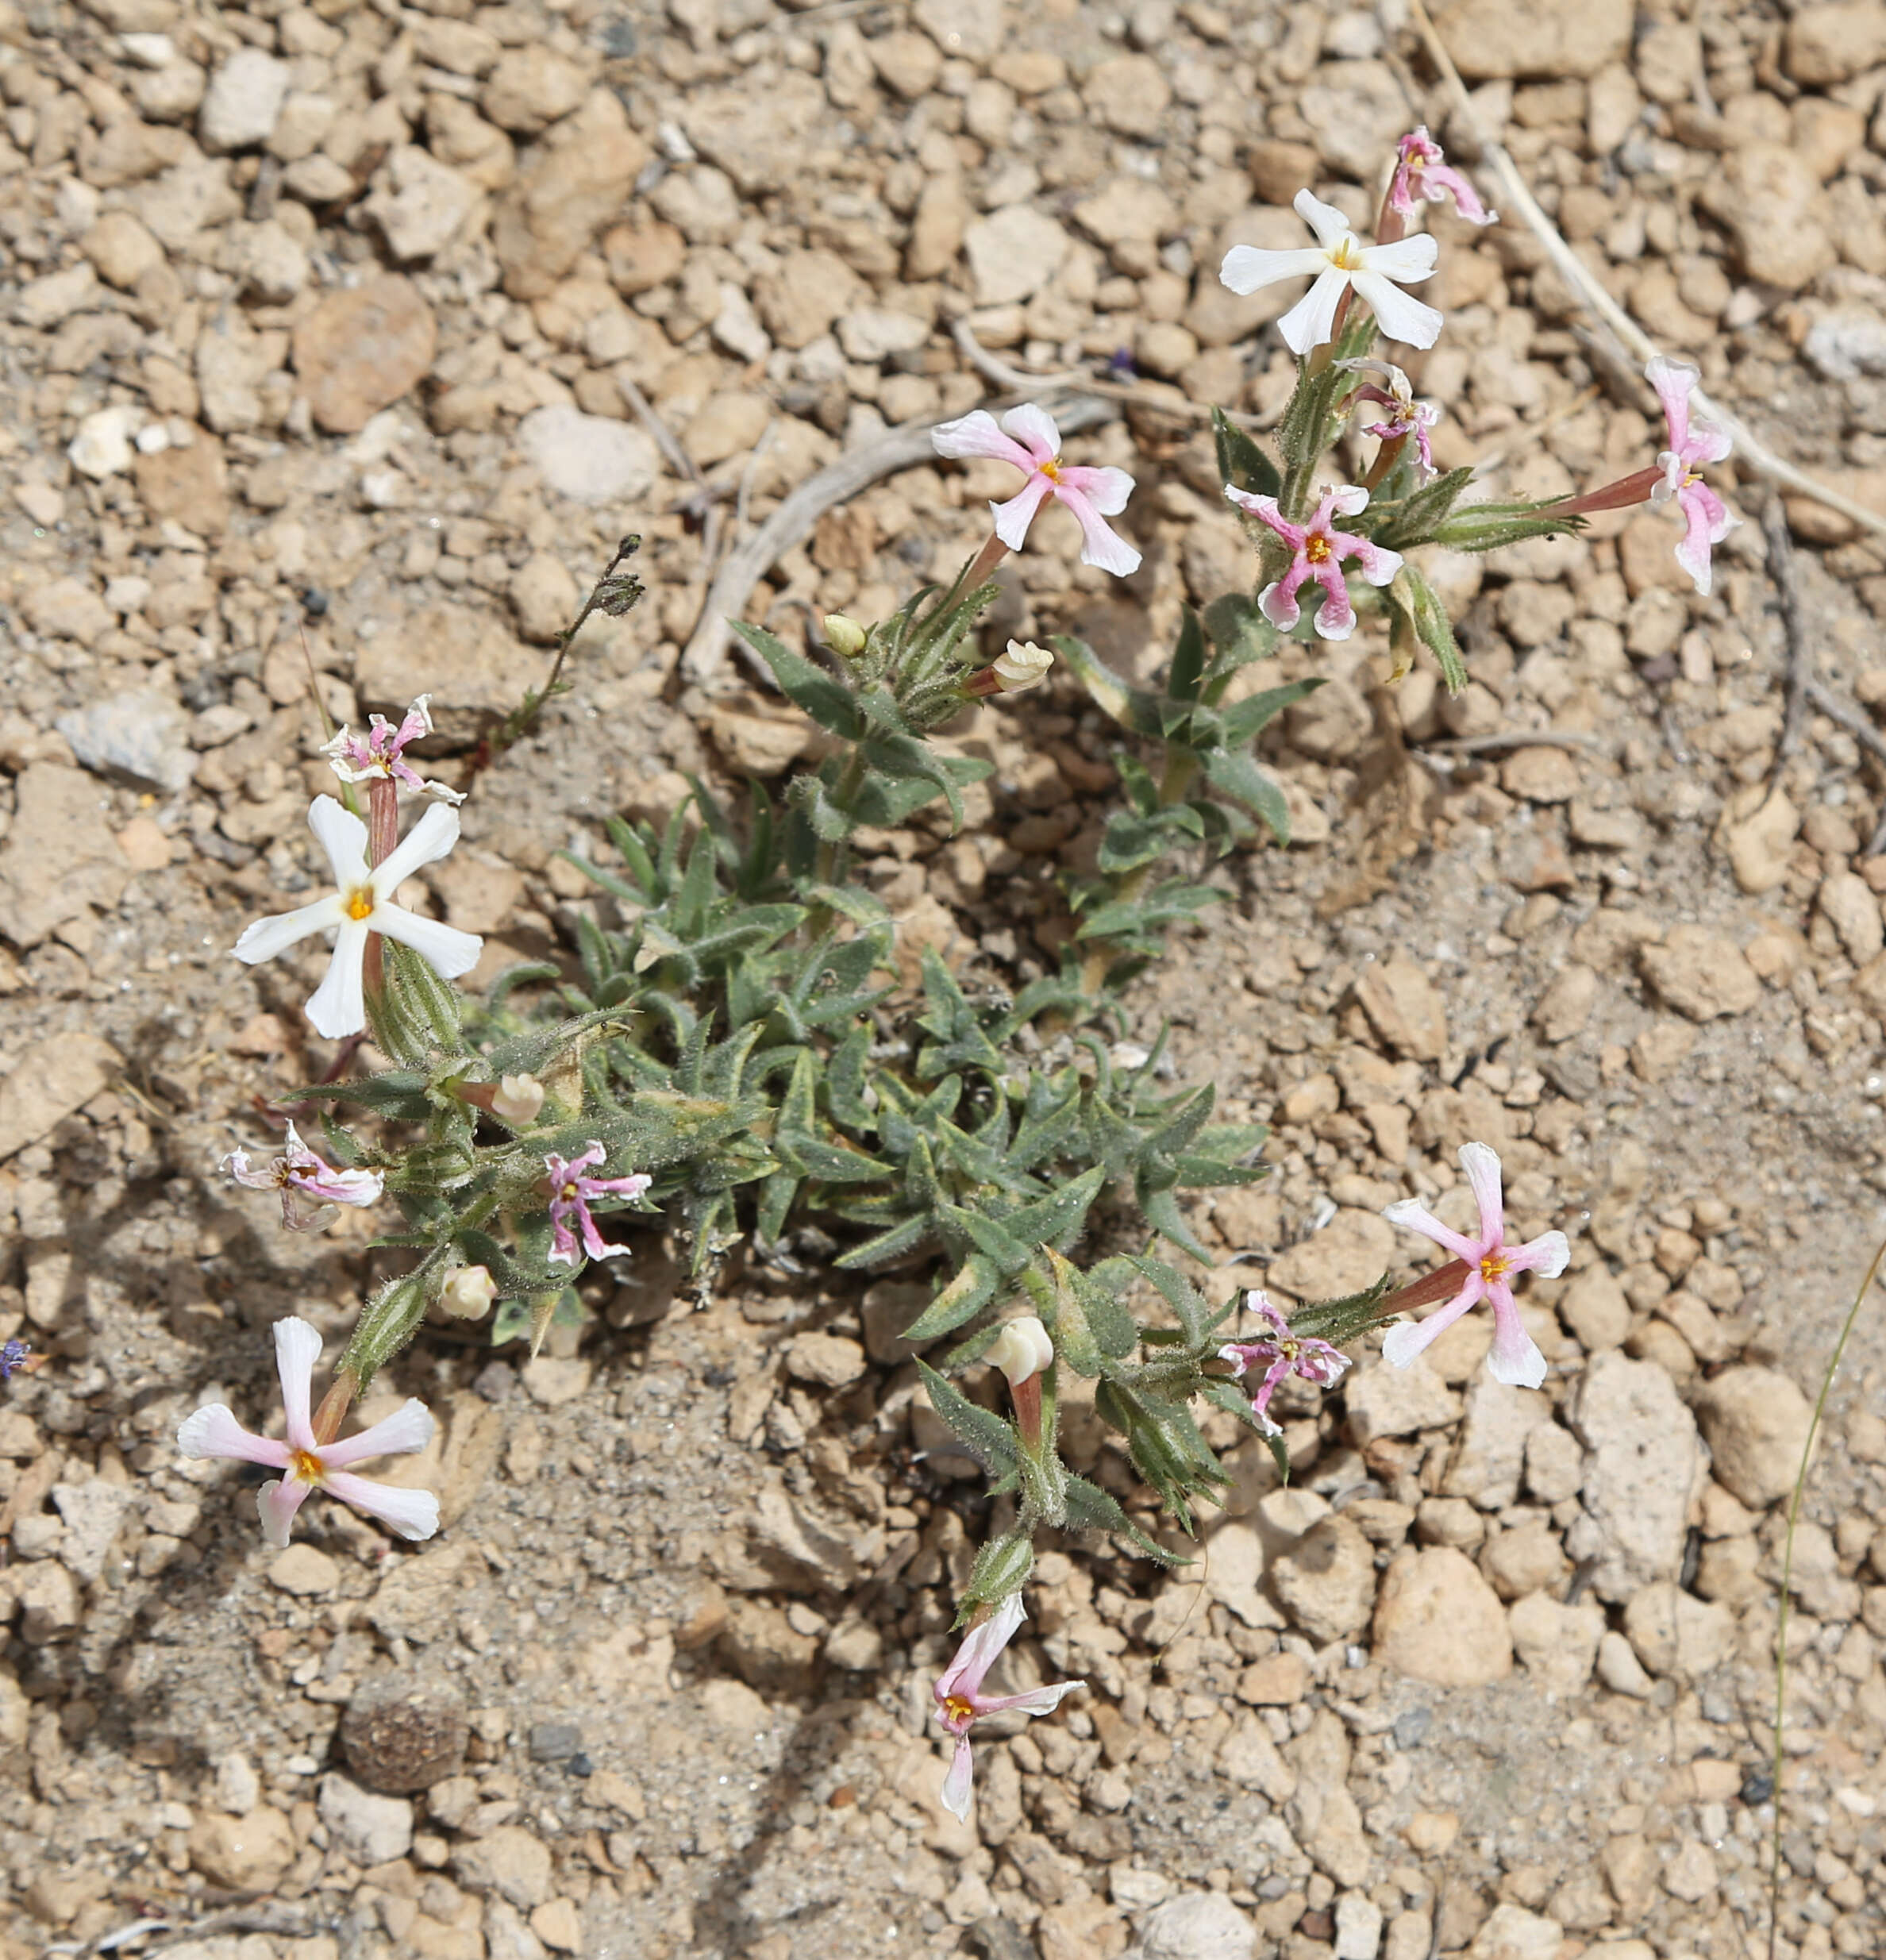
[[518, 1099], [1024, 665], [468, 1294], [1021, 1349], [844, 636]]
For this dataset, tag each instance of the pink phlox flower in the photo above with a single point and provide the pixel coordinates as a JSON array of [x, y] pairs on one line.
[[1280, 1353], [960, 1701], [1707, 521], [1033, 444], [309, 1465], [1406, 417], [1337, 261], [1490, 1263], [1317, 550], [570, 1195], [310, 1187], [1422, 175], [362, 903], [381, 751]]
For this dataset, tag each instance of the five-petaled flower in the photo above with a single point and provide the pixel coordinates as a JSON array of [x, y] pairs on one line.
[[570, 1195], [1706, 517], [1279, 1354], [1337, 261], [1317, 549], [1033, 444], [1490, 1264], [381, 750], [1406, 417], [310, 1187], [1423, 175], [960, 1701], [213, 1430], [362, 903]]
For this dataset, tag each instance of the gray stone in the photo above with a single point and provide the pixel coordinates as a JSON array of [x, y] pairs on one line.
[[1642, 1460], [589, 459], [243, 101], [92, 1511], [1197, 1926], [1385, 1401], [1014, 253], [1847, 343], [370, 1829], [143, 736]]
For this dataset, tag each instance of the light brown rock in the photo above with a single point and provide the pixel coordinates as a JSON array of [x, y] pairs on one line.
[[58, 860], [1557, 1644], [1595, 1310], [188, 483], [1700, 974], [467, 658], [1326, 1581], [362, 349], [248, 1853], [1773, 205], [1014, 253], [1847, 902], [1540, 774], [530, 87], [1351, 1251], [304, 1570], [1128, 94], [544, 597], [830, 1360], [1755, 1421], [1493, 40], [1437, 1620], [1404, 1008], [1511, 1933], [1830, 43], [1385, 1401], [1642, 1463], [1566, 1005], [577, 181], [510, 1861], [1673, 1632]]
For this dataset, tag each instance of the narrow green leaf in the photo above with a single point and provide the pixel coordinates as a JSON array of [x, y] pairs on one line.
[[1240, 462], [820, 694]]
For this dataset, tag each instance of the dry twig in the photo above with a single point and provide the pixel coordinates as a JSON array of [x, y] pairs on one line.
[[1513, 738], [1750, 447], [1863, 732], [1794, 620]]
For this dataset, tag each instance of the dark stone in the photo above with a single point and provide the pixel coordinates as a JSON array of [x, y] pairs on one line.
[[554, 1742], [404, 1731]]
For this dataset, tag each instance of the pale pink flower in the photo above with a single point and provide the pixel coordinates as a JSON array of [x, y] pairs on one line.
[[570, 1193], [1707, 521], [1033, 444], [1337, 261], [1318, 549], [380, 753], [213, 1431], [362, 903], [1406, 417], [960, 1701], [1422, 175], [1280, 1353], [309, 1186], [1490, 1262]]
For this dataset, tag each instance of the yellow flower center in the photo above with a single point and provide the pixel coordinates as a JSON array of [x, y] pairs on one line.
[[958, 1708], [1316, 548], [359, 902], [1051, 471], [570, 1194], [1494, 1266], [1346, 257], [304, 1467]]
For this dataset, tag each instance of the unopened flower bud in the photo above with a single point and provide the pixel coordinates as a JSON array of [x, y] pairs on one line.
[[468, 1293], [844, 636], [518, 1099], [1021, 1350], [1024, 665]]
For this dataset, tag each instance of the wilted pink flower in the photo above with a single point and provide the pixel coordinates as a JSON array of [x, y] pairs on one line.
[[570, 1194], [1336, 261], [213, 1431], [1406, 417], [380, 753], [1033, 444], [1707, 521], [1279, 1355], [1423, 176], [309, 1186], [1490, 1262], [1319, 549], [960, 1701]]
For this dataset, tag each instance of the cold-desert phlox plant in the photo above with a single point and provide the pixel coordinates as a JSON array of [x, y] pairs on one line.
[[729, 1056]]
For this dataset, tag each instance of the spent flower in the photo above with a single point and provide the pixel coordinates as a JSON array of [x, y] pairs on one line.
[[1021, 1350], [1406, 417], [1022, 666], [1339, 261], [1706, 517], [361, 904], [1029, 439], [1278, 1353], [468, 1293], [1423, 175], [960, 1701], [309, 1465], [310, 1187], [570, 1191], [381, 752], [1317, 550], [1490, 1264]]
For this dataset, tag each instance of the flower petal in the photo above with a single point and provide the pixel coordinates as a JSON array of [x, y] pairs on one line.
[[445, 949], [1376, 563], [297, 1349], [1400, 315], [343, 837], [213, 1430], [1013, 517], [1101, 544], [1278, 604], [1335, 617], [1312, 320], [960, 1780], [1481, 1163], [981, 1645], [1406, 1338], [1514, 1358], [278, 1501], [1248, 268], [1328, 224], [431, 838], [1407, 261], [976, 434], [266, 938], [1264, 509], [1034, 428], [1673, 380], [407, 1430], [1107, 489], [1031, 1701], [237, 1165], [1546, 1255], [414, 1513], [1412, 1214], [338, 1006]]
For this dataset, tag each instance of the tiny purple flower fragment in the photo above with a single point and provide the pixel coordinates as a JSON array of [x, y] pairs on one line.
[[381, 752], [310, 1187], [13, 1356], [1280, 1353], [570, 1195], [960, 1701]]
